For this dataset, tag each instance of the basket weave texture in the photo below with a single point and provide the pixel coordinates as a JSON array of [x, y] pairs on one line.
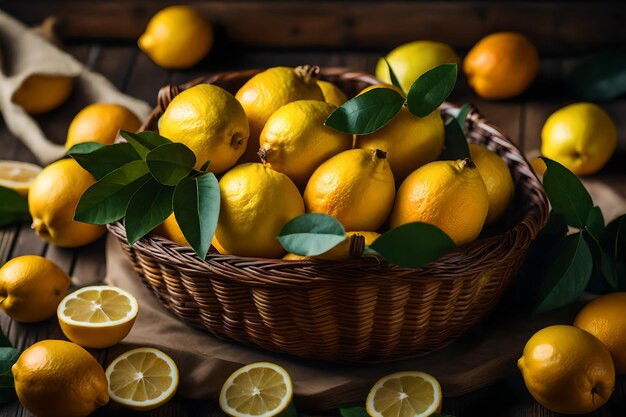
[[359, 310]]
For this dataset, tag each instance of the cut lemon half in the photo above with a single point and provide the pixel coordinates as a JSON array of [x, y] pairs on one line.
[[98, 316], [261, 389], [404, 394], [18, 175], [142, 379]]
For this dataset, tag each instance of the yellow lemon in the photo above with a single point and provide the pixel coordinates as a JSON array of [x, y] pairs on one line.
[[211, 122], [404, 394], [97, 316], [356, 187], [342, 251], [55, 378], [177, 37], [261, 389], [256, 202], [218, 246], [52, 200], [170, 229], [412, 59], [295, 141], [605, 318], [448, 194], [332, 93], [375, 86], [41, 93], [581, 136], [142, 379], [271, 89], [497, 177], [31, 288], [100, 123], [567, 370], [18, 175]]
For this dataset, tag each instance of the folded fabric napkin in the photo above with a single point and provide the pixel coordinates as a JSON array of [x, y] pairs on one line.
[[24, 52]]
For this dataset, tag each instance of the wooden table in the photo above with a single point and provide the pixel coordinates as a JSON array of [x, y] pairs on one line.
[[132, 72]]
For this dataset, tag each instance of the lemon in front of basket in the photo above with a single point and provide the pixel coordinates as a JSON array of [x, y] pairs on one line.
[[31, 288], [404, 394], [567, 370], [255, 204], [261, 389], [55, 378], [41, 93], [142, 379], [97, 316], [100, 122], [332, 93], [448, 194], [211, 122], [356, 187], [52, 200], [177, 37], [18, 175], [295, 141]]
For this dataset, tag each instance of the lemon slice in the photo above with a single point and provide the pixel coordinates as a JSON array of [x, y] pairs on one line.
[[18, 175], [98, 316], [261, 389], [142, 379], [404, 394]]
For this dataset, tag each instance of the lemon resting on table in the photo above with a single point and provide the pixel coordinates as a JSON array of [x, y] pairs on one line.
[[404, 394]]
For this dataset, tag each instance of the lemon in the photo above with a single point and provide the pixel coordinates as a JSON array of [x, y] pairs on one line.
[[97, 316], [567, 370], [100, 122], [409, 141], [404, 394], [605, 319], [177, 37], [412, 59], [497, 177], [261, 389], [375, 86], [256, 202], [170, 230], [55, 378], [211, 122], [581, 136], [18, 175], [355, 187], [52, 200], [218, 246], [41, 93], [295, 141], [31, 288], [448, 194], [142, 379], [332, 93], [271, 89]]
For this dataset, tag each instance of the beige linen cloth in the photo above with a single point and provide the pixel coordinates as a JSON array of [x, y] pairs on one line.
[[23, 52]]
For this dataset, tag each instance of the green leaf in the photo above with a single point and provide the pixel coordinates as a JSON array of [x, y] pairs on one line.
[[455, 144], [148, 208], [599, 77], [311, 234], [413, 245], [461, 116], [8, 356], [431, 89], [144, 142], [568, 276], [367, 112], [602, 262], [197, 209], [392, 75], [13, 207], [290, 411], [100, 160], [4, 341], [567, 194], [170, 163], [353, 411], [595, 222], [106, 201], [620, 240]]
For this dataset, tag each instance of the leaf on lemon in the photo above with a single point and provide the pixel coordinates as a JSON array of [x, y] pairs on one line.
[[170, 163], [461, 116], [149, 207], [311, 234], [13, 207], [367, 112], [455, 144], [196, 208], [431, 89], [413, 245], [100, 160], [595, 222], [144, 142], [603, 265], [567, 194], [392, 75]]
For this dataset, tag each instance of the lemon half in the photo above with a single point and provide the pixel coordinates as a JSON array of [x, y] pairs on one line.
[[18, 175], [404, 394]]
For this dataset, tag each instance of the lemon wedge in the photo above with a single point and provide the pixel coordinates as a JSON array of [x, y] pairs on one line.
[[404, 394], [18, 175]]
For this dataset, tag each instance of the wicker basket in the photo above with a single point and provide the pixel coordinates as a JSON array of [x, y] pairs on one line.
[[359, 310]]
